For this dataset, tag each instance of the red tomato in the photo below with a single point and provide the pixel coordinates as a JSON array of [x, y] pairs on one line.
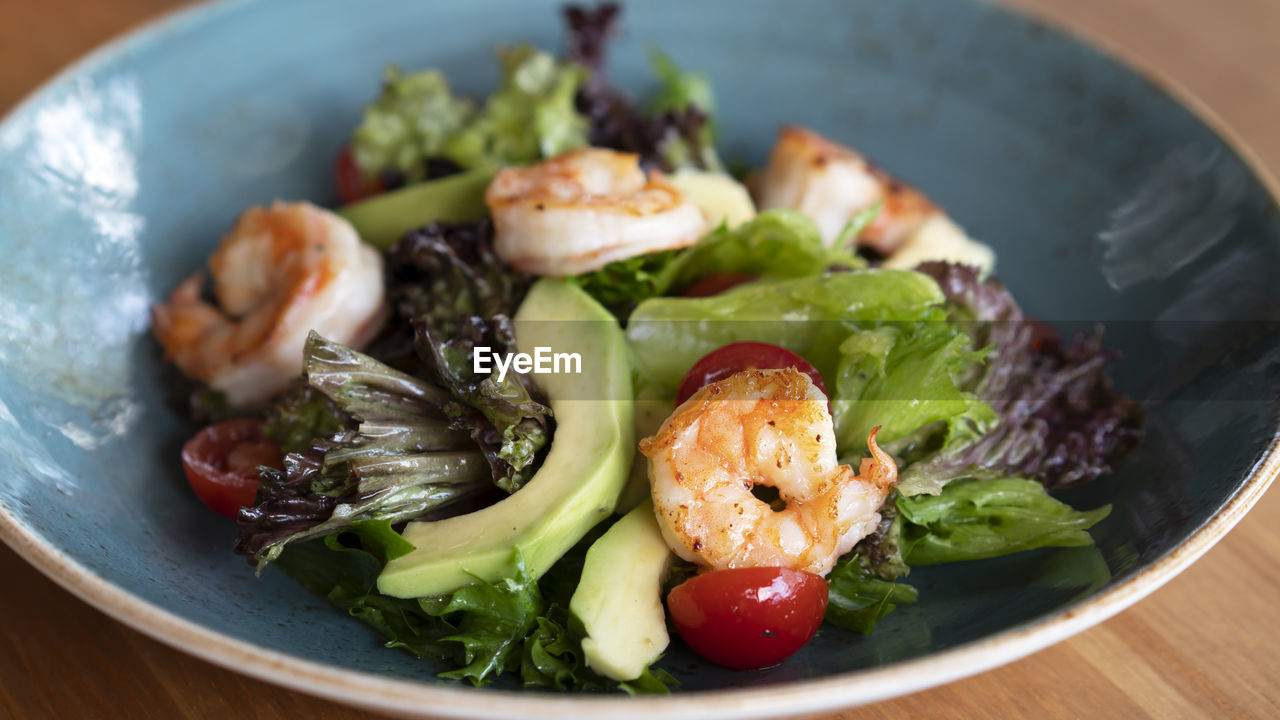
[[1044, 338], [748, 618], [716, 283], [352, 183], [720, 364], [222, 461]]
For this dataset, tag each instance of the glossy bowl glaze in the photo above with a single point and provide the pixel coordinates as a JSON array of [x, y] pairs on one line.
[[1107, 200]]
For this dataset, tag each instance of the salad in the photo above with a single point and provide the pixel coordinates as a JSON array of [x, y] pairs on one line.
[[553, 389]]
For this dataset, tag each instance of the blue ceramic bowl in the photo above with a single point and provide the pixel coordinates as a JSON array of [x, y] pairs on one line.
[[1107, 201]]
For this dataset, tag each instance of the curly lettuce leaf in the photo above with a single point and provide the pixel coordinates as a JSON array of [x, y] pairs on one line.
[[302, 415], [973, 519], [513, 625], [530, 116], [1058, 418], [903, 379], [402, 459], [685, 102], [621, 284], [678, 89], [673, 129], [776, 244], [492, 620], [857, 598], [409, 124], [418, 129], [880, 553], [451, 294]]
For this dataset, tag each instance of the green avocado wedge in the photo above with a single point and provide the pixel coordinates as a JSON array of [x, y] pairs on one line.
[[581, 477], [383, 219], [619, 599]]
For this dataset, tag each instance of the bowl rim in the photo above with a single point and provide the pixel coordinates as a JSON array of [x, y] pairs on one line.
[[422, 699]]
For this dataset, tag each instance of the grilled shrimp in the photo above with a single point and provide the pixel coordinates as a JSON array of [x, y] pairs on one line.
[[281, 272], [830, 183], [585, 208], [761, 427]]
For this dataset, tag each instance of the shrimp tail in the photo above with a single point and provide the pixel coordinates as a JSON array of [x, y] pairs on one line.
[[879, 469]]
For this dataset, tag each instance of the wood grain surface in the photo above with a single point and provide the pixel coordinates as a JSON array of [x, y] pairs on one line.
[[1205, 645]]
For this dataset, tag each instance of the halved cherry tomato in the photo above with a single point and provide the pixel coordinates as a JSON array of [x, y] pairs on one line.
[[716, 283], [352, 183], [748, 618], [720, 364], [222, 461]]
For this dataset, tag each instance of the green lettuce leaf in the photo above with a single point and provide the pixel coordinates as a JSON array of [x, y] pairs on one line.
[[411, 121], [904, 378], [777, 244], [678, 89], [622, 283], [513, 625], [974, 518], [686, 99], [530, 116], [416, 119], [857, 598], [810, 316], [492, 620]]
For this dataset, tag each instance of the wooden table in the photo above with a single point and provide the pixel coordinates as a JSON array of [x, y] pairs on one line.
[[1206, 645]]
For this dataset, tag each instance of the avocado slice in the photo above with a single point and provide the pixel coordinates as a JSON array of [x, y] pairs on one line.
[[384, 218], [619, 598], [717, 195], [652, 409], [580, 478]]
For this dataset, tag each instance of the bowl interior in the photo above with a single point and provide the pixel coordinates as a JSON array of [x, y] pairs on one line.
[[1106, 200]]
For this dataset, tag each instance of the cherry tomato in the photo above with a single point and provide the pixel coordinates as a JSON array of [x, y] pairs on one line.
[[1044, 338], [720, 364], [351, 182], [716, 283], [748, 618], [222, 461]]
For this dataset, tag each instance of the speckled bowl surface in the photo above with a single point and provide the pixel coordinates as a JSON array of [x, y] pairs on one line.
[[1107, 201]]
